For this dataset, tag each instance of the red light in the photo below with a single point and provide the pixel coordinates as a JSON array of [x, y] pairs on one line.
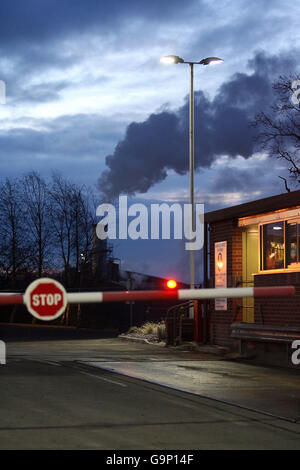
[[171, 284]]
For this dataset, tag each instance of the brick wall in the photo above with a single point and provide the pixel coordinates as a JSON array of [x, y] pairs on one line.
[[220, 321], [284, 311]]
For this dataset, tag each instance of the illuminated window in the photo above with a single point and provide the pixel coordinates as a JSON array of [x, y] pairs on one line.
[[280, 245], [273, 246], [292, 242]]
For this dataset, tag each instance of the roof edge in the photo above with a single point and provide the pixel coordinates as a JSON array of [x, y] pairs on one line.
[[268, 204]]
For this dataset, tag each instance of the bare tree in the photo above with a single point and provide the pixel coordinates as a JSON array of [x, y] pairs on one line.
[[45, 225], [36, 200], [15, 248], [83, 224], [62, 220], [72, 221], [279, 130]]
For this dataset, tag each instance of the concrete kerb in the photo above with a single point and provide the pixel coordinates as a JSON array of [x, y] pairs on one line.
[[185, 346], [140, 339], [214, 351]]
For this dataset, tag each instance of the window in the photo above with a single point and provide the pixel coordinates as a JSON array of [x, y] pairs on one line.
[[280, 245], [273, 246], [292, 242]]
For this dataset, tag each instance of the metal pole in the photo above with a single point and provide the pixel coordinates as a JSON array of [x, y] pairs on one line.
[[191, 161], [205, 285]]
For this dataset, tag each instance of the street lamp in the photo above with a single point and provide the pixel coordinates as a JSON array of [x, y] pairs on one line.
[[175, 59]]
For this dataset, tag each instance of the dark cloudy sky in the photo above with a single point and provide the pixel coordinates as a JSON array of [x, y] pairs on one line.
[[88, 96]]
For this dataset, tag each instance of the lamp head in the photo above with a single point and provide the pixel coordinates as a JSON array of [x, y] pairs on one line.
[[171, 59], [211, 60]]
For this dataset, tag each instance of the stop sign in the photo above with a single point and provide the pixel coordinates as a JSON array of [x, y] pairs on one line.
[[45, 299]]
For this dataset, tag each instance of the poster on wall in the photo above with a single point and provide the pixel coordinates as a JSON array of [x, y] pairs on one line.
[[221, 272]]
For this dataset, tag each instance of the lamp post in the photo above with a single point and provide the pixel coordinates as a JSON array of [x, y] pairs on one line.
[[174, 59]]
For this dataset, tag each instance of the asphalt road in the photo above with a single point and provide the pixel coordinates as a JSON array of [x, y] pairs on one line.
[[51, 399], [68, 406]]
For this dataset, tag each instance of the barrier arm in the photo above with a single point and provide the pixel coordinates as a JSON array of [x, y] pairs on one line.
[[148, 295]]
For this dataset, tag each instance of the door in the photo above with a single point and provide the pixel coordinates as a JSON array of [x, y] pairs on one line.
[[250, 267]]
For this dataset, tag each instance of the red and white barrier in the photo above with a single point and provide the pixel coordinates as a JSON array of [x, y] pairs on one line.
[[179, 294], [11, 299], [176, 294], [46, 299]]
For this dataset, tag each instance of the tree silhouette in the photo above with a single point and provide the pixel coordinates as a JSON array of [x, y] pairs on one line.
[[279, 129]]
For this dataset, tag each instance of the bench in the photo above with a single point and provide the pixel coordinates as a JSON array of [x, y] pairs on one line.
[[246, 332]]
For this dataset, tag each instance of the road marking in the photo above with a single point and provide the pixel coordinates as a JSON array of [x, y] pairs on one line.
[[102, 378], [45, 361]]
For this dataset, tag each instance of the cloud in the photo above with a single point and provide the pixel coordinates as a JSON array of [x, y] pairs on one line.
[[33, 20], [234, 28], [222, 127], [74, 144], [40, 93], [234, 178]]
